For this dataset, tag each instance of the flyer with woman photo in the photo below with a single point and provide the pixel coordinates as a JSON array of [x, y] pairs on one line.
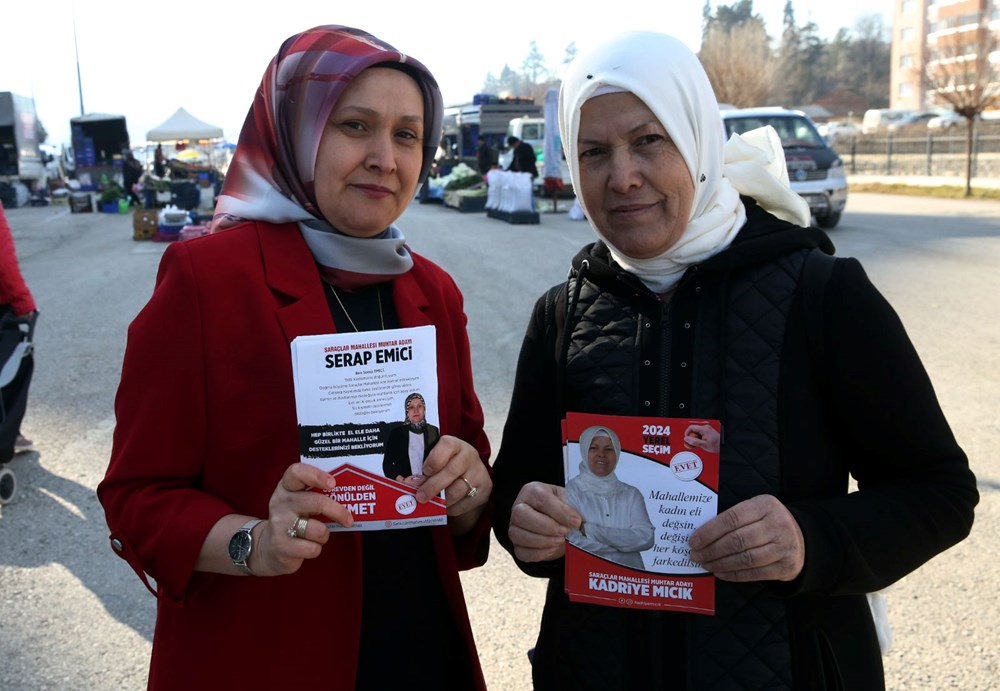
[[643, 486], [367, 411]]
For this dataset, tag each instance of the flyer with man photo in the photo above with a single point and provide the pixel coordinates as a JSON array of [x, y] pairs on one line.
[[643, 485], [367, 412]]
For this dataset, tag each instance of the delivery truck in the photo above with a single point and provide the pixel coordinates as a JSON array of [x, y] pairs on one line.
[[100, 141], [486, 115], [21, 164]]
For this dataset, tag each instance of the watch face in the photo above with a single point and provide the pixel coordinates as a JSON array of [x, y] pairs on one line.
[[239, 546]]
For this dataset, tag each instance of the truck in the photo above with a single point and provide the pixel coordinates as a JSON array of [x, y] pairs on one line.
[[487, 115], [21, 162], [100, 141]]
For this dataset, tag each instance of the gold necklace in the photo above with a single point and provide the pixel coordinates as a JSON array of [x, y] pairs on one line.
[[378, 294]]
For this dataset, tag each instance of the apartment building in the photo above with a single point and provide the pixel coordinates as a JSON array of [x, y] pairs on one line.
[[933, 30]]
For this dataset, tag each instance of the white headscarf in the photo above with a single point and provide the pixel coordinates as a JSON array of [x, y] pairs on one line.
[[597, 484], [663, 73]]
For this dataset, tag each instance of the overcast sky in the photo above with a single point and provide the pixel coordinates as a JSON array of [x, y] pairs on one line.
[[145, 59]]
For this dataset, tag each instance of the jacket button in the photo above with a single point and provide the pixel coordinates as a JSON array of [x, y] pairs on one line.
[[681, 406], [684, 364], [697, 289], [116, 545], [647, 363], [648, 325], [647, 404], [687, 325]]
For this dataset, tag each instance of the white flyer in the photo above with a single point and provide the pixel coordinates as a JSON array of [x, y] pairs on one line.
[[367, 408]]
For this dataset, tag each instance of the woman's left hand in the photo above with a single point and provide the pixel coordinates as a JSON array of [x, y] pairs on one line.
[[454, 466], [756, 540]]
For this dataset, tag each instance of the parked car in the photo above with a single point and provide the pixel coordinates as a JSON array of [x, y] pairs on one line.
[[914, 121], [815, 171], [838, 131], [947, 121], [876, 119]]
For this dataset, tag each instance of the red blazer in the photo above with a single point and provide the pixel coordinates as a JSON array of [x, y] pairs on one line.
[[206, 426]]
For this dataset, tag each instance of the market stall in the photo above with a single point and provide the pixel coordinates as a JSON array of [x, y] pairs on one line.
[[193, 164]]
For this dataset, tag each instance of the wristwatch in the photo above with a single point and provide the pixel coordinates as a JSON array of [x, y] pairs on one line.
[[241, 544]]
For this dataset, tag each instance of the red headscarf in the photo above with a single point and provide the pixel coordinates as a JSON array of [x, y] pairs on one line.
[[271, 177]]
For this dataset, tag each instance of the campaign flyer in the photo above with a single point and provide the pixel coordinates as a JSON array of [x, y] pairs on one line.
[[643, 486], [367, 408]]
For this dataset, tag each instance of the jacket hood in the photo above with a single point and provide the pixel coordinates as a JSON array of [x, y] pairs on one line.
[[762, 237]]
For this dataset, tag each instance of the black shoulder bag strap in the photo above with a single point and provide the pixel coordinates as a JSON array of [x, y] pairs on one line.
[[556, 306], [816, 272]]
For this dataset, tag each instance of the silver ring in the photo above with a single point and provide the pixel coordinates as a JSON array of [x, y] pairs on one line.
[[473, 491], [298, 530]]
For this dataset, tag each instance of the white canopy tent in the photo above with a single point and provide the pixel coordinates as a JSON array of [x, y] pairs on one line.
[[191, 140], [183, 125]]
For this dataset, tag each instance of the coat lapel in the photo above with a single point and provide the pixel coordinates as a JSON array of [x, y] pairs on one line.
[[289, 269], [412, 304]]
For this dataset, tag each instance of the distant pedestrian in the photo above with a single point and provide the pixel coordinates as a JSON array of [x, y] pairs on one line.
[[524, 157], [131, 174], [485, 155], [159, 164]]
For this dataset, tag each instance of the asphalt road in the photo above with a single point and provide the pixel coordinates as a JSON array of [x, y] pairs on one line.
[[75, 617]]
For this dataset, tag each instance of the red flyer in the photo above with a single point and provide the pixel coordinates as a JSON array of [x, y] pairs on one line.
[[643, 486], [367, 410]]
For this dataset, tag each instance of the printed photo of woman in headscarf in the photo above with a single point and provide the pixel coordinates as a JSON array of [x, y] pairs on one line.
[[407, 444], [615, 524]]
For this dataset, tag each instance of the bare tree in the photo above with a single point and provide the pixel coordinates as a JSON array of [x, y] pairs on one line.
[[570, 54], [534, 68], [869, 61], [739, 64], [961, 73]]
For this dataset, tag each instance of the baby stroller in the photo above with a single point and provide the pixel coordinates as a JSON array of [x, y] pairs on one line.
[[16, 367]]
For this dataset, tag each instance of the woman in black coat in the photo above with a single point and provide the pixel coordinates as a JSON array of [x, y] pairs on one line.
[[706, 297]]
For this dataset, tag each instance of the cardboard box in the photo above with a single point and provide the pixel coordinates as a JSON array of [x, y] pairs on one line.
[[144, 224]]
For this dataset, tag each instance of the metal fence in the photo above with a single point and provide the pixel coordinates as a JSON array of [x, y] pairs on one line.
[[932, 155]]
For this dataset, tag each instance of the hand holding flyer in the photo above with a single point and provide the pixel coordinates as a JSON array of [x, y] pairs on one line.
[[643, 486], [350, 392]]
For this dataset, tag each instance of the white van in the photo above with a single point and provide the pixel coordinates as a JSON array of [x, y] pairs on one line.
[[815, 171], [532, 131], [877, 119]]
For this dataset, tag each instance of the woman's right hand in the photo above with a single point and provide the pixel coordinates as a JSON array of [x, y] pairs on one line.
[[279, 553], [540, 520]]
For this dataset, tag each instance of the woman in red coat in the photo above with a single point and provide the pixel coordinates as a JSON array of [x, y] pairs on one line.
[[342, 129], [16, 298]]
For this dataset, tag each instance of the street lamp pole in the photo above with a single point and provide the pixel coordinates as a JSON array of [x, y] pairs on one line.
[[76, 49]]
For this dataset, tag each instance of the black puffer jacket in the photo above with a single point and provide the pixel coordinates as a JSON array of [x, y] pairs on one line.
[[796, 375]]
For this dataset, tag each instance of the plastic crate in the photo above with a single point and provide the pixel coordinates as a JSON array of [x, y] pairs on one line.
[[472, 204], [515, 217], [167, 234]]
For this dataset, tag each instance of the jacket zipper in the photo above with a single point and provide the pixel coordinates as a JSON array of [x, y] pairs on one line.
[[663, 405]]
